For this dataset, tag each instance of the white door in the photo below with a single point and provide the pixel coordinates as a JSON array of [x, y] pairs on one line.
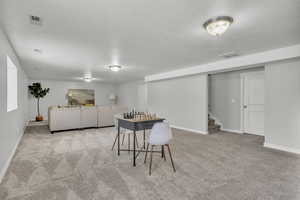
[[253, 102]]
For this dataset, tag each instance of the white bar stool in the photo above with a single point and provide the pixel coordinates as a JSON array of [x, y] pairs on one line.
[[161, 135], [123, 132]]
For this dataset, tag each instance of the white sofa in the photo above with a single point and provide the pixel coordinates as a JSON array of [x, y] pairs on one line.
[[88, 116], [67, 118], [64, 118]]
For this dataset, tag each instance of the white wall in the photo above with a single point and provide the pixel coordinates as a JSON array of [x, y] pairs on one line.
[[133, 95], [59, 89], [225, 98], [282, 105], [12, 123], [182, 101]]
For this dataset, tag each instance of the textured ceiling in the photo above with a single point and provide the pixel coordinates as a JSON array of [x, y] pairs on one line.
[[146, 37]]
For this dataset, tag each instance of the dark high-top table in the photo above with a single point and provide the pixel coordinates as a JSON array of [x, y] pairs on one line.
[[135, 125]]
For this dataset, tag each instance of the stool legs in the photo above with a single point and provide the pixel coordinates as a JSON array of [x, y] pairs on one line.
[[150, 160], [162, 154], [123, 138], [128, 143], [165, 158], [146, 153], [171, 157], [114, 142], [136, 141]]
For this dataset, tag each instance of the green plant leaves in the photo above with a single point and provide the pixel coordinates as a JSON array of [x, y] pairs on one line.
[[37, 91]]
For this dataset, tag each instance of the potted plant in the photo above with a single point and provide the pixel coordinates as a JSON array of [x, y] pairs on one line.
[[38, 92]]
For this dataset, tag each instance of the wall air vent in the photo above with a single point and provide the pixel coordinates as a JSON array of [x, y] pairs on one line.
[[35, 20], [229, 54]]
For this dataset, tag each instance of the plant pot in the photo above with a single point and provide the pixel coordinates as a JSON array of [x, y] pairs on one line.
[[39, 118]]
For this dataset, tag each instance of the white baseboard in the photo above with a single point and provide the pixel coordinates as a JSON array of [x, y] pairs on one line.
[[232, 130], [282, 148], [5, 168], [189, 130]]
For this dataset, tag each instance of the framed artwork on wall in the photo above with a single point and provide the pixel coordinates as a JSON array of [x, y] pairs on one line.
[[81, 97]]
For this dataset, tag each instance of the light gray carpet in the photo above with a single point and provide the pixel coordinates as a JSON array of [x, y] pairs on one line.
[[79, 165]]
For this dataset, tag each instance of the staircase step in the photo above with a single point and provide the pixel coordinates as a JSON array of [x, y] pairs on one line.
[[214, 128], [211, 122]]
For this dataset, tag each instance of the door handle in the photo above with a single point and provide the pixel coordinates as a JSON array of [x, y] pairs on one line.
[[245, 106]]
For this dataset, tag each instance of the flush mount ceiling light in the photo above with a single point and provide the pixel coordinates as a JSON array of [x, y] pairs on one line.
[[115, 68], [218, 25]]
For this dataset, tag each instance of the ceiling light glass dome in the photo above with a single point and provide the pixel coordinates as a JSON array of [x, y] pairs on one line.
[[115, 68], [217, 26]]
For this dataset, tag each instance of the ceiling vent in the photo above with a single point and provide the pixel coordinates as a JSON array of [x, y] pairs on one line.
[[229, 54], [38, 51], [35, 20]]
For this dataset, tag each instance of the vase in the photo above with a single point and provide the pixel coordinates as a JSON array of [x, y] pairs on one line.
[[39, 118]]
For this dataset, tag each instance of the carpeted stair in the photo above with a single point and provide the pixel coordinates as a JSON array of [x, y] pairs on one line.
[[212, 126]]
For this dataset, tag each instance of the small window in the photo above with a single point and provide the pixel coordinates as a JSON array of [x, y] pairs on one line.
[[12, 85]]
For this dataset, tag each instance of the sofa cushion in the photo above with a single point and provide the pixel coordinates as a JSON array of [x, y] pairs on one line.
[[89, 116], [64, 118]]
